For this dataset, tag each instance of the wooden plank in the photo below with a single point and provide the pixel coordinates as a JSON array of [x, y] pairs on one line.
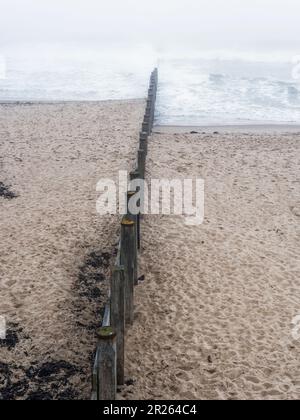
[[117, 314], [127, 261], [136, 175], [134, 218], [145, 127], [107, 364], [106, 316], [95, 381], [142, 162], [118, 258], [144, 142]]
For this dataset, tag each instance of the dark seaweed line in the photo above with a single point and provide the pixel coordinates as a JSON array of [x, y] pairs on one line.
[[5, 192]]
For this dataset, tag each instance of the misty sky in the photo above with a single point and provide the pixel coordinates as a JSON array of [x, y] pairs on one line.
[[218, 24]]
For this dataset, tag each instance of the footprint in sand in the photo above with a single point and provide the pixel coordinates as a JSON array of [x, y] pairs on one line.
[[295, 210]]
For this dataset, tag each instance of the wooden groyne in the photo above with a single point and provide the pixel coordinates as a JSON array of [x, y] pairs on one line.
[[109, 363]]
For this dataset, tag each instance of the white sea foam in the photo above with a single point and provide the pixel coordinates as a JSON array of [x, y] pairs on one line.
[[196, 87], [69, 73], [227, 91]]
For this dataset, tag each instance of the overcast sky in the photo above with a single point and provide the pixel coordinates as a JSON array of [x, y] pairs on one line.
[[218, 24]]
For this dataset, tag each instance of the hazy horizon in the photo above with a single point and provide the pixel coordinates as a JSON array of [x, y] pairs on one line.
[[217, 62], [256, 25]]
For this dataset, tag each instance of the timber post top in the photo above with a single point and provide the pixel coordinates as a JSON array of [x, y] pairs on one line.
[[127, 222], [131, 193], [106, 333]]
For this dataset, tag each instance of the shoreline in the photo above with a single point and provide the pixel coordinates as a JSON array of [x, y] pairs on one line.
[[258, 127], [231, 128], [68, 102]]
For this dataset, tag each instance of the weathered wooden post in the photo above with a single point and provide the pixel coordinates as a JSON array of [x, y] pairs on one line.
[[151, 98], [149, 104], [142, 169], [134, 218], [130, 215], [141, 163], [150, 113], [117, 317], [95, 380], [144, 142], [107, 363], [145, 126], [127, 261], [155, 76], [136, 175], [150, 110], [147, 118], [106, 316]]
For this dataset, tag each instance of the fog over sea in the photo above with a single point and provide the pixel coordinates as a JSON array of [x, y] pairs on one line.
[[195, 88]]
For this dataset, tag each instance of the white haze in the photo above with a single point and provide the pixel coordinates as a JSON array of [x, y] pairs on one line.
[[168, 24]]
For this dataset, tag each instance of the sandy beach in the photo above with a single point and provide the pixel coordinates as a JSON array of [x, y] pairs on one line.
[[55, 250], [214, 314], [189, 291]]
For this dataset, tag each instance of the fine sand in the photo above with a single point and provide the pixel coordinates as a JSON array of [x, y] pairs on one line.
[[55, 250], [214, 314]]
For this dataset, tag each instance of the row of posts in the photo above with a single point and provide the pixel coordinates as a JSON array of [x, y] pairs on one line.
[[108, 371]]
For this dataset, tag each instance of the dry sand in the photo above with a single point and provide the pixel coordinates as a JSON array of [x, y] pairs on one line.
[[213, 316], [54, 249]]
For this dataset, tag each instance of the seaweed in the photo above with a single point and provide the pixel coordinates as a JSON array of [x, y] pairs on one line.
[[12, 336], [93, 273], [5, 192], [47, 381]]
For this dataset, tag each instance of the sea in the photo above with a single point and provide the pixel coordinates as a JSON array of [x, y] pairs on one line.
[[195, 88]]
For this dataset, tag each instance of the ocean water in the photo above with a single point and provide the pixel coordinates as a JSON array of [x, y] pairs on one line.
[[228, 90], [66, 73], [198, 89]]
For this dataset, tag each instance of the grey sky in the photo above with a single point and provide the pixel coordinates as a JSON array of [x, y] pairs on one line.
[[243, 24]]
